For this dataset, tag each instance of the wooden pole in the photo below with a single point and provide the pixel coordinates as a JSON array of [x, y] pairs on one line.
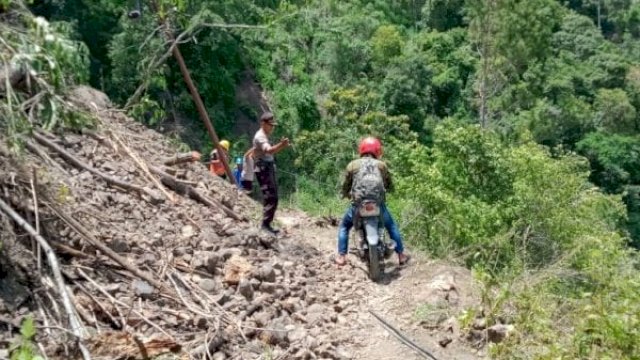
[[194, 94], [201, 110]]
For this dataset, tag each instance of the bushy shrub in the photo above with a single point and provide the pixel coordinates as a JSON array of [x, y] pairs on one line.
[[50, 63], [536, 227]]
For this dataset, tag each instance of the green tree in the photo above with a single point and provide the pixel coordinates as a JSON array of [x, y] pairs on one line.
[[406, 90], [95, 23], [443, 15], [632, 21], [386, 43], [614, 112]]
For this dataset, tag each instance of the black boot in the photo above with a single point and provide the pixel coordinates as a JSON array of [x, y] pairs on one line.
[[268, 228]]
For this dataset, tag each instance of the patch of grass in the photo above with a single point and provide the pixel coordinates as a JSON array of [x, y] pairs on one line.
[[24, 348], [316, 200]]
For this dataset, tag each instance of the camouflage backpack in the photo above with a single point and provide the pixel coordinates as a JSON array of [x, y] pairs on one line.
[[367, 182]]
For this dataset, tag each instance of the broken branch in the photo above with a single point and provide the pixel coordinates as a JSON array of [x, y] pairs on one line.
[[88, 236], [114, 300], [43, 155], [76, 326], [142, 165]]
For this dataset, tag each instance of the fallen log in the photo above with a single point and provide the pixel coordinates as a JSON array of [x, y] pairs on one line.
[[76, 326], [182, 188], [155, 199], [182, 158]]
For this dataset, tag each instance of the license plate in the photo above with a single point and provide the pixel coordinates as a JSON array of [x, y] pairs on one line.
[[369, 209]]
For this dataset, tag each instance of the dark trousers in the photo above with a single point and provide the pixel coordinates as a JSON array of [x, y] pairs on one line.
[[267, 179], [246, 185]]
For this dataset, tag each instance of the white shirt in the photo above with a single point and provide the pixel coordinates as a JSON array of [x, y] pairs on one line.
[[261, 144], [247, 169]]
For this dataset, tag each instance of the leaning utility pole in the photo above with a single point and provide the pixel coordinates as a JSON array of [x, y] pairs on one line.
[[194, 92]]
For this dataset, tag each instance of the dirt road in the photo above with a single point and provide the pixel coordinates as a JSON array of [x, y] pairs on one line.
[[421, 300]]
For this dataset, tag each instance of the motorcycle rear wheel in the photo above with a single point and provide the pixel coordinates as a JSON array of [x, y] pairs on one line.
[[374, 265]]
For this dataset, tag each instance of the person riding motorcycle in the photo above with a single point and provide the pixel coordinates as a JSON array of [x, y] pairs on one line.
[[369, 147]]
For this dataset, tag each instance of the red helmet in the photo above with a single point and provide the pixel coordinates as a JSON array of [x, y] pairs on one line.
[[370, 145]]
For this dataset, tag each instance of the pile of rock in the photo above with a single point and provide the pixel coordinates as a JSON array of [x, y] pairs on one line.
[[177, 276]]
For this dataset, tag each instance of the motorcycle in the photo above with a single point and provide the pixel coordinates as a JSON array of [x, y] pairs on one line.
[[372, 248]]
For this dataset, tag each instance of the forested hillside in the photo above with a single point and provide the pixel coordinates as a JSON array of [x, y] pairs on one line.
[[512, 128]]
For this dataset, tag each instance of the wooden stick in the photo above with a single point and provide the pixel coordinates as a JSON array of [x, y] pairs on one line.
[[80, 311], [79, 164], [43, 314], [34, 180], [88, 236], [142, 165], [43, 155], [403, 339], [42, 350], [69, 250], [105, 293], [54, 303], [182, 158], [114, 322], [76, 326]]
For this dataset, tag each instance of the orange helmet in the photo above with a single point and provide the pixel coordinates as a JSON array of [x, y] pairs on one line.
[[370, 145]]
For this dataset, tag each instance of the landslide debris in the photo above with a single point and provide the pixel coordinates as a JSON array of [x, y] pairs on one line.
[[160, 261]]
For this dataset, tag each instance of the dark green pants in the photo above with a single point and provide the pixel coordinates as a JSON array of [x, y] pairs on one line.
[[267, 179]]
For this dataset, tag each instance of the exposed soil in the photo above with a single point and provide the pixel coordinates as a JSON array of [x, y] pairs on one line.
[[216, 286], [252, 103]]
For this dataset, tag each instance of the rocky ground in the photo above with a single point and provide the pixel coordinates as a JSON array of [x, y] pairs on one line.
[[155, 272], [421, 300]]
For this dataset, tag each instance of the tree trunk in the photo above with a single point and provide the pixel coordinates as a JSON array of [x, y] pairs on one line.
[[182, 158]]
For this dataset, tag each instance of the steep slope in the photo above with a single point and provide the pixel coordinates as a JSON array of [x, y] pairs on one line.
[[154, 272]]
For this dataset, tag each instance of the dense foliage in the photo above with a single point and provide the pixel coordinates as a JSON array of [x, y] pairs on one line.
[[511, 127], [39, 63]]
